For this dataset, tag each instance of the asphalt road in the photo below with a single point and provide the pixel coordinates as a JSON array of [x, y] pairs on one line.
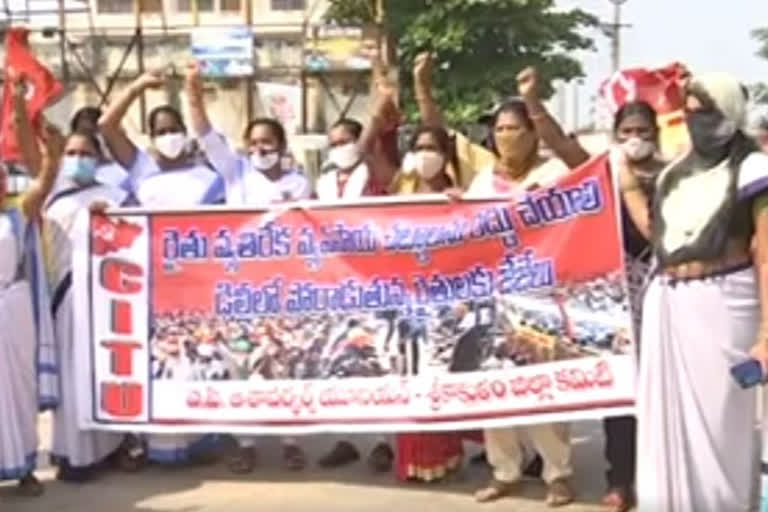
[[270, 488]]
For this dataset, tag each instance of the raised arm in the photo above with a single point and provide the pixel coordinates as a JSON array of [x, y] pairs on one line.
[[429, 111], [51, 148], [565, 148], [218, 152], [377, 141], [193, 85], [110, 124], [25, 133]]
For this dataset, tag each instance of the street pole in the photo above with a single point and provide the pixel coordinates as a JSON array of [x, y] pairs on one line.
[[616, 34], [139, 35], [248, 14], [63, 41], [195, 13]]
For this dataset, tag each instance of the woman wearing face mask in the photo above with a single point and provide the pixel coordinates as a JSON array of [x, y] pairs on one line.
[[86, 120], [169, 174], [519, 167], [258, 179], [705, 311], [170, 164], [345, 174], [78, 453], [427, 457], [28, 362], [635, 133]]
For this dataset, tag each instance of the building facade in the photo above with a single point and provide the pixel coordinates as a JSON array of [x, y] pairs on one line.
[[304, 71]]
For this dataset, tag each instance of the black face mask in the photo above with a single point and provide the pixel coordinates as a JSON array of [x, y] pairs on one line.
[[710, 135]]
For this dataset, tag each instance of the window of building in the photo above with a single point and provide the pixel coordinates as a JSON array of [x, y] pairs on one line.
[[230, 5], [289, 5], [114, 6], [202, 5], [151, 5]]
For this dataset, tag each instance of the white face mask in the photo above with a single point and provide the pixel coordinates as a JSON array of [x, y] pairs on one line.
[[170, 145], [427, 164], [344, 157], [638, 149], [264, 162]]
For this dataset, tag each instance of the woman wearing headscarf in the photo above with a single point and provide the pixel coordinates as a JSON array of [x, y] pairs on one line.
[[28, 362], [169, 174], [705, 311]]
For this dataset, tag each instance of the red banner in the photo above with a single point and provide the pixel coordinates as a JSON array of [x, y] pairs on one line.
[[408, 315]]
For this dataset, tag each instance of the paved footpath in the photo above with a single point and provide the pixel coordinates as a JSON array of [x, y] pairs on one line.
[[353, 489]]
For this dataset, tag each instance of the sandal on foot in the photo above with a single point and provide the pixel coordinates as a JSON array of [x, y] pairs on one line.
[[74, 475], [294, 457], [30, 487], [495, 490], [619, 499], [131, 456], [381, 458], [243, 461], [343, 453], [559, 494]]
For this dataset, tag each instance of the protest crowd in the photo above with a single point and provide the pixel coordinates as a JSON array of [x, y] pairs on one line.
[[695, 234]]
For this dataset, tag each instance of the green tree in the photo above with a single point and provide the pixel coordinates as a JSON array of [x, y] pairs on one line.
[[761, 35], [481, 45]]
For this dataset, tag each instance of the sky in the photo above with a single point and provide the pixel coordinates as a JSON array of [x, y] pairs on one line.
[[706, 35]]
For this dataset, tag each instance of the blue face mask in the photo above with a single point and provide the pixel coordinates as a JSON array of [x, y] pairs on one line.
[[80, 169]]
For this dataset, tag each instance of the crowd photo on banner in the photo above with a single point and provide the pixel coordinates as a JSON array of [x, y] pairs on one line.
[[447, 290]]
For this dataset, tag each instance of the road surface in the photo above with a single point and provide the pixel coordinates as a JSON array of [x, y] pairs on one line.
[[269, 488]]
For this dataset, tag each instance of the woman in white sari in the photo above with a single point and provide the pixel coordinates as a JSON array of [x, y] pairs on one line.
[[28, 364], [258, 180], [170, 174], [77, 452], [705, 311]]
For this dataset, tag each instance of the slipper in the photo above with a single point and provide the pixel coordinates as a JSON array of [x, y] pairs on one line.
[[559, 494], [294, 457], [343, 453], [495, 490]]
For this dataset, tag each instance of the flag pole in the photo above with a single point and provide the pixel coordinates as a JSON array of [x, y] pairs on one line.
[[139, 35]]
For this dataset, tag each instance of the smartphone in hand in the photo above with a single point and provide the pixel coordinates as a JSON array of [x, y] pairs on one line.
[[748, 374]]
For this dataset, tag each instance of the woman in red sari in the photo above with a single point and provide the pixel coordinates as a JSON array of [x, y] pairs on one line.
[[428, 168]]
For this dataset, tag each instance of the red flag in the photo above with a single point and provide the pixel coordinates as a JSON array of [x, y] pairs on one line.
[[42, 89], [658, 87], [110, 235]]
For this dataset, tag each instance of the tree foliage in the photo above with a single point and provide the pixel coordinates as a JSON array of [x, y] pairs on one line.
[[761, 35], [480, 45]]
